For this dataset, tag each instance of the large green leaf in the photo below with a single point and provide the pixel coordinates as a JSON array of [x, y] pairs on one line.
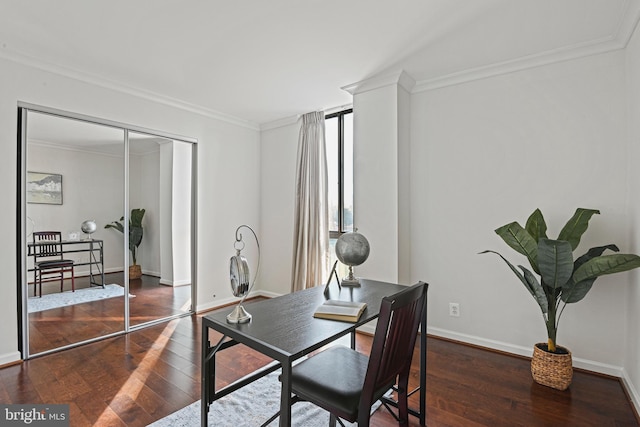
[[135, 236], [535, 288], [555, 260], [528, 280], [605, 264], [521, 241], [574, 292], [536, 225], [576, 226], [117, 225], [592, 253], [136, 217]]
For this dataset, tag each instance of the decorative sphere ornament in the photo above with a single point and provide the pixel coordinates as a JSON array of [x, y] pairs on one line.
[[89, 227], [352, 249]]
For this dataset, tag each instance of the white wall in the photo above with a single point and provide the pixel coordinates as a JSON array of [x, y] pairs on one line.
[[631, 336], [277, 190], [144, 193], [489, 152], [228, 173], [375, 180], [181, 214]]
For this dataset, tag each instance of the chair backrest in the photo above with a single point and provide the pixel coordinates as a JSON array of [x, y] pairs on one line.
[[394, 340], [48, 244]]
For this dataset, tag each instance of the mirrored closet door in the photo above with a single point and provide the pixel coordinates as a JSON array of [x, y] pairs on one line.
[[160, 184], [107, 235]]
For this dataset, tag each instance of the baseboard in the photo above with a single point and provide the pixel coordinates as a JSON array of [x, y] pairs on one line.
[[151, 273], [587, 365], [232, 301], [214, 305], [266, 294], [176, 283], [632, 392], [10, 359]]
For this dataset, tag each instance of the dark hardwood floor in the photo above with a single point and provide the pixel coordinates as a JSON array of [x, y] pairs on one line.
[[136, 379], [72, 324]]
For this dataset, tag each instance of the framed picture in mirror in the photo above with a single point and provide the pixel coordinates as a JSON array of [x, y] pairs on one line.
[[44, 188]]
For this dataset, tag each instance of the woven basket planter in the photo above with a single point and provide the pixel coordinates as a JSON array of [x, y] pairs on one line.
[[551, 369], [135, 272]]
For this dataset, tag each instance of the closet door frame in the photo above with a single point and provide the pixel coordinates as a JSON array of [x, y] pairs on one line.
[[21, 220]]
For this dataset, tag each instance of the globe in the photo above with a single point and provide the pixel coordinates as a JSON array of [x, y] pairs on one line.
[[88, 227], [352, 249]]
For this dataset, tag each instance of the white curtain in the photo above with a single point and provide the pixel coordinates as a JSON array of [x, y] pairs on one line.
[[311, 226]]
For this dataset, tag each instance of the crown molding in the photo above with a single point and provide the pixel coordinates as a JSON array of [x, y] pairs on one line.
[[628, 22], [30, 61], [616, 41], [291, 120], [77, 149], [514, 65], [400, 78], [275, 124]]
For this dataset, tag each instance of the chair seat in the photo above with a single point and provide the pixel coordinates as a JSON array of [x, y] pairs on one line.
[[54, 263], [340, 391]]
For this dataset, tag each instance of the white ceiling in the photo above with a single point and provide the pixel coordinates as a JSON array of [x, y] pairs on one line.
[[258, 61]]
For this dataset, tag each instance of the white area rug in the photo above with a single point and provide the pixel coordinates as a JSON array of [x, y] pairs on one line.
[[61, 299], [250, 406]]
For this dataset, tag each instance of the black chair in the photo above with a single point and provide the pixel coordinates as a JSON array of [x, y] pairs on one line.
[[49, 263], [347, 383]]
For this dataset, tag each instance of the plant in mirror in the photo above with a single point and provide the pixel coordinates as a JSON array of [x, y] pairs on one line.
[[136, 233]]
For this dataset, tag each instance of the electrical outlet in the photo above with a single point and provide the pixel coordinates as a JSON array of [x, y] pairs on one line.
[[454, 309]]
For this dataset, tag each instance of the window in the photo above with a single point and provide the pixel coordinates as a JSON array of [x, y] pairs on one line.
[[339, 140]]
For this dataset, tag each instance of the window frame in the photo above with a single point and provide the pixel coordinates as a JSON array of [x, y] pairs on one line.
[[334, 234]]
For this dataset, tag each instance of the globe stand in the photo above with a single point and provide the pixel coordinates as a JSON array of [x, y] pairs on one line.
[[351, 280], [239, 315]]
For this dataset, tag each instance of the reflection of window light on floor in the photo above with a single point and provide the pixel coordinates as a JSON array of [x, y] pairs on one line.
[[137, 379]]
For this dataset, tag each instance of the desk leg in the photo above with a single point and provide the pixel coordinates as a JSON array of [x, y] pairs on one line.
[[204, 383], [285, 397]]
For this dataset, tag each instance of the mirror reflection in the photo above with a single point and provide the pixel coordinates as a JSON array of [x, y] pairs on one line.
[[159, 194], [74, 174], [76, 189]]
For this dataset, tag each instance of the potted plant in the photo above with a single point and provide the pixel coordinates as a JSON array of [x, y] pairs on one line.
[[135, 238], [563, 280]]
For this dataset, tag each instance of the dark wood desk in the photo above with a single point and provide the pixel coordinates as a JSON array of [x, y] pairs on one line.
[[284, 329]]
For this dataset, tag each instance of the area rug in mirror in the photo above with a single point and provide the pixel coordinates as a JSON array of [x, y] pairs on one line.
[[250, 406], [61, 299]]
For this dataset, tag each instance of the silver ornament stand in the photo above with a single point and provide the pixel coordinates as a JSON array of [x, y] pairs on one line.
[[239, 314]]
